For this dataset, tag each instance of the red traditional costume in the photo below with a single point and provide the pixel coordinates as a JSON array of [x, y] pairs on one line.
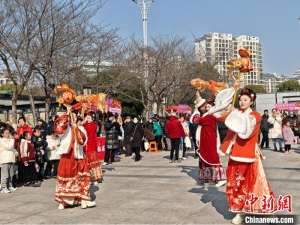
[[23, 129], [90, 151], [247, 186], [210, 168], [73, 177]]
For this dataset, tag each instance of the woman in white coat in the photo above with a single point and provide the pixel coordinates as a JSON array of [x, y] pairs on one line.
[[53, 157], [8, 156], [275, 133]]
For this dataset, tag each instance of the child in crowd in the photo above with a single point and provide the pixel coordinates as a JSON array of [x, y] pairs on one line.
[[8, 156], [288, 136], [40, 146], [53, 142], [29, 165]]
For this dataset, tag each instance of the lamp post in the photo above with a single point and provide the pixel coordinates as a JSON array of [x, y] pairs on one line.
[[276, 94], [144, 7]]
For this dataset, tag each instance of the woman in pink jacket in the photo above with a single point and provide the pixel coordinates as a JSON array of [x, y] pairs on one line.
[[288, 136]]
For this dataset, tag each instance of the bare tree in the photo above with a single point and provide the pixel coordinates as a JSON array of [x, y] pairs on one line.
[[167, 63], [19, 50], [44, 36], [64, 34]]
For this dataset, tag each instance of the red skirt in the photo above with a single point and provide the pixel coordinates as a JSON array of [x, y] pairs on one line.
[[94, 166], [248, 190], [73, 180], [210, 173]]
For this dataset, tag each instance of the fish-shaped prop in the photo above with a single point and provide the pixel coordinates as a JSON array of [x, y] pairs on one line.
[[214, 86], [242, 64], [68, 97]]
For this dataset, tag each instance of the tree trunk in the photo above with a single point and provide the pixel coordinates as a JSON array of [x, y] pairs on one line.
[[32, 106], [14, 101], [159, 109], [47, 108], [154, 107]]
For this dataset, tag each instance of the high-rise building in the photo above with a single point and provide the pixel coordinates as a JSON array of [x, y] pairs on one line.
[[219, 48]]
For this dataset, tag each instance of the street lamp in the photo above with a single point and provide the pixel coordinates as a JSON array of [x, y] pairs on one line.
[[144, 7]]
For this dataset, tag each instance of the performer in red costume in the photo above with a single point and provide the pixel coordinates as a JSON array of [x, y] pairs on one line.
[[73, 177], [23, 127], [90, 149], [247, 186], [210, 168]]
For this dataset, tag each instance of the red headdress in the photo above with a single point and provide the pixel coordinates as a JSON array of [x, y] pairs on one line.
[[61, 124]]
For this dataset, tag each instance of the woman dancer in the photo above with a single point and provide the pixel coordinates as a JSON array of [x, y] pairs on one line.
[[73, 177], [210, 168], [90, 149], [247, 186]]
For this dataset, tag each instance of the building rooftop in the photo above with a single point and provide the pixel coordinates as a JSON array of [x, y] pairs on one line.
[[273, 76], [297, 73], [228, 35]]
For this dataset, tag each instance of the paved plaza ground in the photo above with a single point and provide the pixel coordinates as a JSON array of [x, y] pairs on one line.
[[150, 191]]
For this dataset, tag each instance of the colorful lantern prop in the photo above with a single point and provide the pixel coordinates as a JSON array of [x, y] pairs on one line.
[[225, 95], [96, 102], [242, 64], [214, 86]]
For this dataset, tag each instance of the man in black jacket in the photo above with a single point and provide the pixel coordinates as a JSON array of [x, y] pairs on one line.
[[264, 127], [137, 138], [128, 127]]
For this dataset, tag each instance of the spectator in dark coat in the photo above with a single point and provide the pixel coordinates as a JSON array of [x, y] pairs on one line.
[[264, 127], [40, 146], [149, 134], [222, 130], [175, 132], [112, 130], [128, 127], [49, 126], [137, 138], [149, 124], [43, 128], [164, 139], [193, 130]]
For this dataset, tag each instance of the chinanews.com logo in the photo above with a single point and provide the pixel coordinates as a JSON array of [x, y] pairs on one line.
[[269, 204], [270, 219]]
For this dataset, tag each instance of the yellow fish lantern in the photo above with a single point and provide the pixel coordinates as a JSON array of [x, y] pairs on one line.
[[243, 64], [246, 64], [67, 94], [214, 86]]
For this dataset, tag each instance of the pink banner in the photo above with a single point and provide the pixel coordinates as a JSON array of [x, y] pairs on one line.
[[114, 106], [184, 109], [288, 106], [180, 108]]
